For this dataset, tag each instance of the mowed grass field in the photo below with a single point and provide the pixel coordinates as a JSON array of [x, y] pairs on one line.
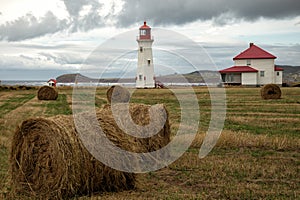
[[256, 157]]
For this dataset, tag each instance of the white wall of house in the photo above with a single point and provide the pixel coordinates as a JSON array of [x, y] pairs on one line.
[[278, 77], [265, 69], [249, 78]]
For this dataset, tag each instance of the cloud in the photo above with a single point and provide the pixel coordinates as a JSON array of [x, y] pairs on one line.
[[221, 12], [63, 58], [29, 26], [84, 15]]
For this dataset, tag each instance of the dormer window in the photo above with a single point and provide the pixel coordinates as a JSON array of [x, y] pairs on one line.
[[248, 62]]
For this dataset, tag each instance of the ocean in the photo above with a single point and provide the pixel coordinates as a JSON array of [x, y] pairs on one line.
[[41, 83], [27, 83]]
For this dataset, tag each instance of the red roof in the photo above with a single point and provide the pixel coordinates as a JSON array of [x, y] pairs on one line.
[[238, 69], [145, 26], [51, 80], [278, 68], [254, 52]]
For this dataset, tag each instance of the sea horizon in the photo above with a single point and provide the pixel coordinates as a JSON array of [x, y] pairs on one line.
[[44, 82]]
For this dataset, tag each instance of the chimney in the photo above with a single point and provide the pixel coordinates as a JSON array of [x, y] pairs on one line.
[[251, 44]]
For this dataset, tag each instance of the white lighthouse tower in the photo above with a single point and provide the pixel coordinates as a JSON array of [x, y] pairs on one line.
[[145, 68]]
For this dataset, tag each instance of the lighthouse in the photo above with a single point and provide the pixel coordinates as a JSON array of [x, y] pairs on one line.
[[145, 67]]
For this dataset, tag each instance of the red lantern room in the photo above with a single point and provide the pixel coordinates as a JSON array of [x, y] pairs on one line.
[[145, 32]]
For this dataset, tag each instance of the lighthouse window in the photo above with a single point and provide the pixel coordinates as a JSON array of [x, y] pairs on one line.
[[141, 49], [149, 61], [140, 77], [143, 32]]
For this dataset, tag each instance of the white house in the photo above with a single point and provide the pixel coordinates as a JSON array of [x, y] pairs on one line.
[[52, 82], [145, 69], [253, 67]]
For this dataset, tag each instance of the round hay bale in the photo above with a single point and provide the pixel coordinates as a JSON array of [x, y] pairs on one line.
[[49, 161], [22, 87], [47, 93], [117, 94], [140, 115], [12, 88], [270, 91]]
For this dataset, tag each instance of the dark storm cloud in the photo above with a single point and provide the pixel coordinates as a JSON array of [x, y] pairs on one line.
[[29, 26], [220, 11], [157, 12]]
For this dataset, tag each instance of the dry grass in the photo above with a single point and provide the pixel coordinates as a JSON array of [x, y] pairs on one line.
[[230, 139], [256, 157]]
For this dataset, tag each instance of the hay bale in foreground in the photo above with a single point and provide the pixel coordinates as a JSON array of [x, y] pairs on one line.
[[270, 91], [49, 161], [118, 94], [47, 93], [140, 116]]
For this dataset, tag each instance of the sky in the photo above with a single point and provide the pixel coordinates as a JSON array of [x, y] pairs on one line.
[[40, 40]]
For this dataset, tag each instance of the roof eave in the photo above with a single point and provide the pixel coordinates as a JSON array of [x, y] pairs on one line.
[[253, 58]]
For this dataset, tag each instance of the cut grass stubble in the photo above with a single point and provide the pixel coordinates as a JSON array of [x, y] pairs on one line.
[[256, 157]]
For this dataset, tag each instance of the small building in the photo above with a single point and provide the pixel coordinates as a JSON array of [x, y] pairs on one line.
[[253, 67], [52, 82], [145, 68]]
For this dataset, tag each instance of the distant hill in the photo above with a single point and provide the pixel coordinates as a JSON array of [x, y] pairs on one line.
[[291, 74], [71, 78], [193, 77]]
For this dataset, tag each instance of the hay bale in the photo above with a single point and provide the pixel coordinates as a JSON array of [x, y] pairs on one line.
[[140, 115], [48, 160], [47, 93], [12, 88], [117, 94], [270, 91]]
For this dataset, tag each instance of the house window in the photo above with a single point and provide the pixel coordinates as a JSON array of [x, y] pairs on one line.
[[262, 73], [278, 73], [141, 49], [229, 78], [248, 62], [149, 61]]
